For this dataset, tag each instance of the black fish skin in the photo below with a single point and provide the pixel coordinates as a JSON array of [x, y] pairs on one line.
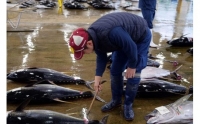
[[43, 117], [39, 74], [160, 88], [21, 116], [181, 42], [74, 5], [45, 93], [40, 117]]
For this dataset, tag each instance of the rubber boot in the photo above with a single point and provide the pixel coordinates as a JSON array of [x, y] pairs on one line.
[[116, 90], [152, 44], [130, 94]]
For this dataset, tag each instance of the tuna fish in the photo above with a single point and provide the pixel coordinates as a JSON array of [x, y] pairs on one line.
[[179, 112], [101, 4], [45, 93], [181, 41], [74, 5], [160, 88], [21, 116], [39, 74], [153, 72]]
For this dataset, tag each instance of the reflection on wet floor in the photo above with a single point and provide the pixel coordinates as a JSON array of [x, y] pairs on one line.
[[47, 46]]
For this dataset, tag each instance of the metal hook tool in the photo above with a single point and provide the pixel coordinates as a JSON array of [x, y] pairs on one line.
[[96, 92]]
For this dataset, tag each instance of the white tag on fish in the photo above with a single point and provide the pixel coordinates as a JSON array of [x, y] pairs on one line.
[[163, 110]]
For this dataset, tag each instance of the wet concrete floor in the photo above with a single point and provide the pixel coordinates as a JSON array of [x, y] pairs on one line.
[[47, 47]]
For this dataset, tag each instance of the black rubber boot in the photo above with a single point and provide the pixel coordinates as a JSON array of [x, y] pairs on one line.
[[130, 94], [117, 89]]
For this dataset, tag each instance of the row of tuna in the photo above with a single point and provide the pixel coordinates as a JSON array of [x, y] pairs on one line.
[[179, 112], [21, 116], [41, 85], [41, 88], [46, 91]]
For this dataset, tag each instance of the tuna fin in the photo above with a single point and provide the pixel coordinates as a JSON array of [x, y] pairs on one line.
[[40, 82], [23, 104], [100, 99], [51, 82], [103, 81], [88, 85], [32, 68], [70, 114], [181, 100], [58, 100], [184, 35], [104, 119]]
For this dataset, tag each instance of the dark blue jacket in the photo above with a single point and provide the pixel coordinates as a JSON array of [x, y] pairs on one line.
[[117, 31]]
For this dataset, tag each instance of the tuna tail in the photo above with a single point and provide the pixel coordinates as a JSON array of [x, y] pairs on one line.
[[88, 84], [100, 99], [97, 97], [8, 74], [181, 100], [104, 119], [89, 93]]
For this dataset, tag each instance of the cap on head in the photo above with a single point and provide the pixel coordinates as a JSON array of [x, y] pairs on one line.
[[77, 42]]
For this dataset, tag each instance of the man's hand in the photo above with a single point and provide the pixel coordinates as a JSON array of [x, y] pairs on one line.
[[130, 72], [97, 84]]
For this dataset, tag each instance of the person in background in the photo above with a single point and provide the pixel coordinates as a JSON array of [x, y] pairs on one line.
[[128, 37], [148, 8]]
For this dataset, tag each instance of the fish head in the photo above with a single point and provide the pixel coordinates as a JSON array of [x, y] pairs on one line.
[[15, 117], [180, 114], [156, 117], [152, 117], [24, 75], [17, 75], [12, 75], [15, 94]]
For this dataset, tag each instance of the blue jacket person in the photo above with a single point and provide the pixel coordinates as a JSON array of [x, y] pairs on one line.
[[128, 37], [148, 8]]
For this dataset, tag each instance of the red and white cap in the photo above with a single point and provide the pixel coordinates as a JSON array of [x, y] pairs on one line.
[[77, 42]]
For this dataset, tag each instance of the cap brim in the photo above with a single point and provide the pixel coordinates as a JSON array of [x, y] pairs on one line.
[[78, 55]]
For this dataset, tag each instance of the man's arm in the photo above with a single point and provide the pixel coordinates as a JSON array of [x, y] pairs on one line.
[[121, 38]]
